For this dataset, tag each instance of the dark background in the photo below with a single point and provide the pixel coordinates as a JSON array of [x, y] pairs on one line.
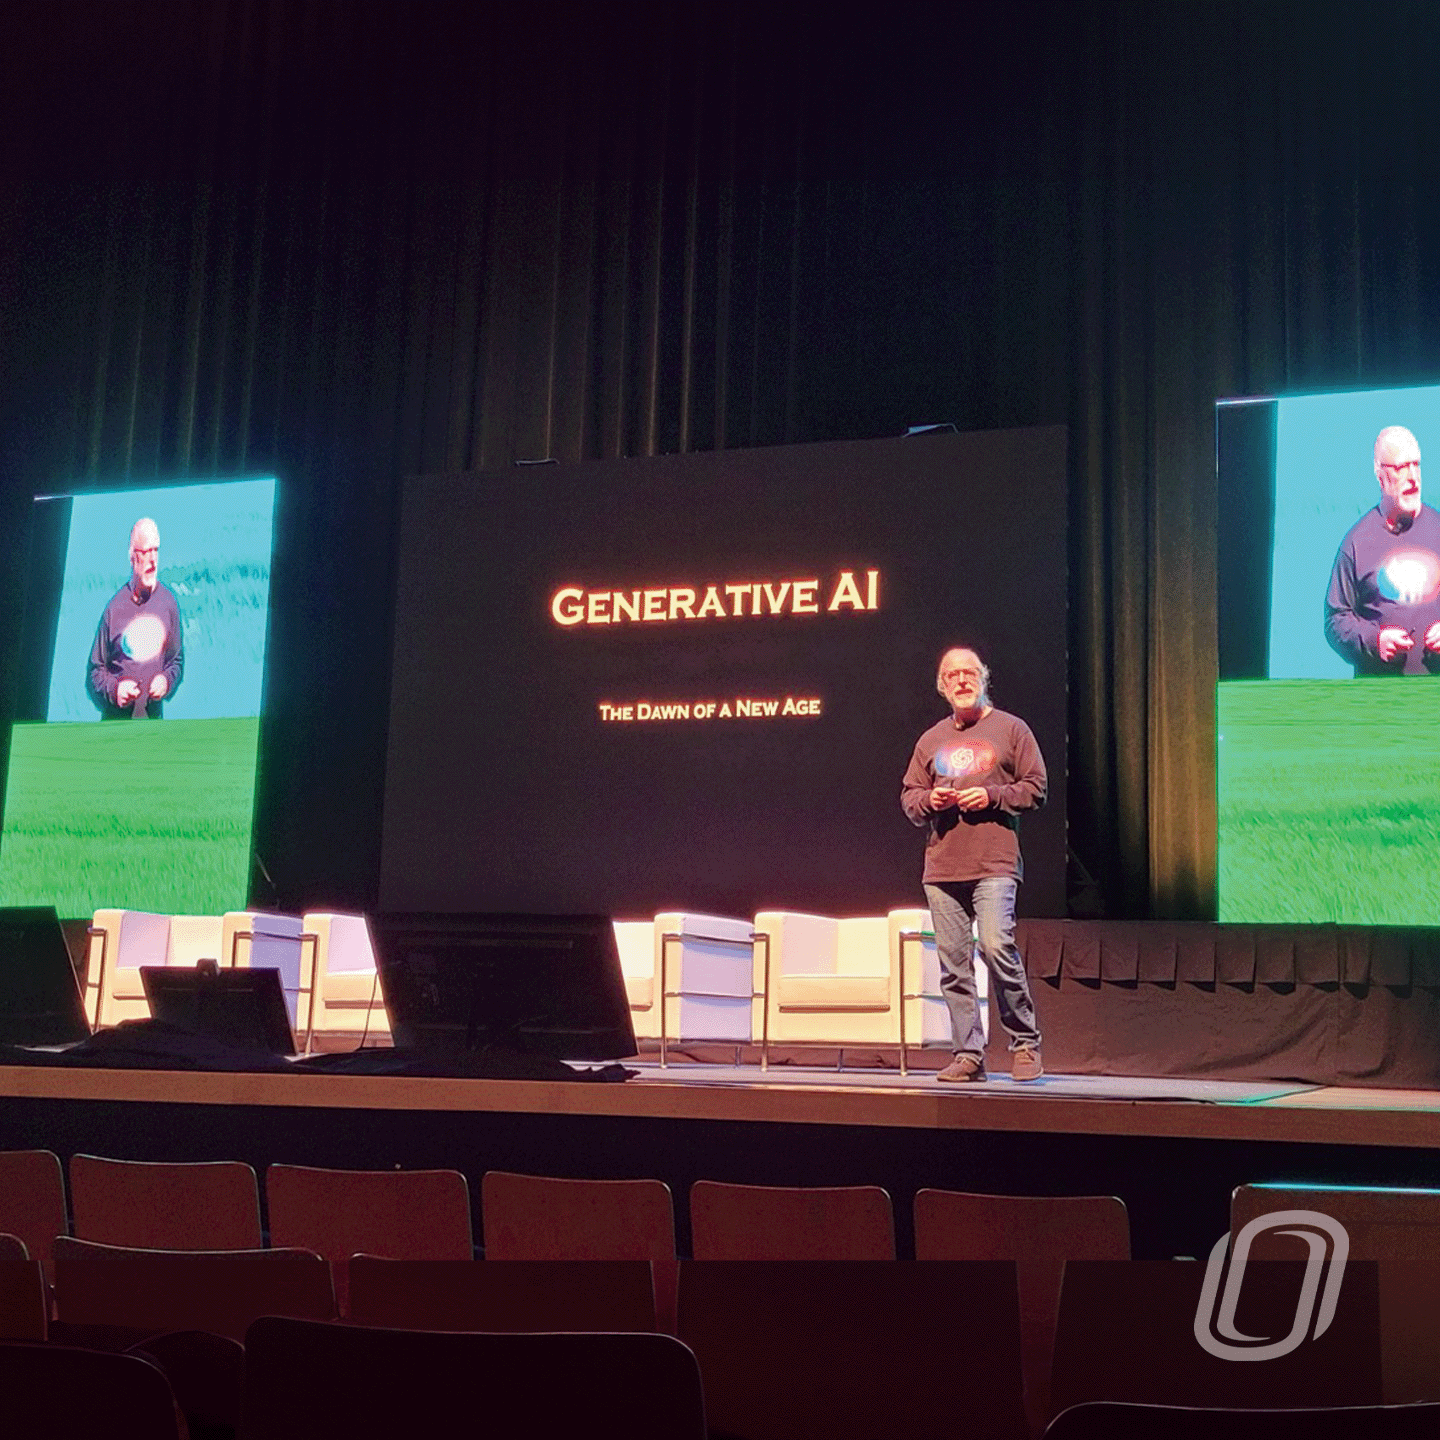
[[349, 242], [1245, 473], [505, 790]]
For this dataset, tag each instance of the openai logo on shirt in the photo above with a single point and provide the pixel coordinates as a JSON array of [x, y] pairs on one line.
[[960, 762], [143, 638], [1409, 577]]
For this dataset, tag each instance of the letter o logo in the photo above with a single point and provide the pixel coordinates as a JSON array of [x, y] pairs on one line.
[[1251, 1347]]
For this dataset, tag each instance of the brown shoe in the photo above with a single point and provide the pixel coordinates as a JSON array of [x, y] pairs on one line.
[[1026, 1064], [963, 1070]]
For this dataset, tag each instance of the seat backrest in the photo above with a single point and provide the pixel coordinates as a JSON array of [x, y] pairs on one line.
[[259, 939], [1382, 1224], [1399, 1229], [1104, 1420], [120, 939], [1040, 1233], [1128, 1331], [207, 1205], [32, 1201], [535, 1217], [64, 1393], [379, 1383], [399, 1214], [717, 967], [193, 938], [635, 941], [158, 1291], [344, 942], [800, 944], [501, 1295], [848, 1349], [862, 946], [770, 1222], [24, 1303]]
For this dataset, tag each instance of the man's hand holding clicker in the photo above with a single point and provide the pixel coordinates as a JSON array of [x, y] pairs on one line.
[[1393, 639], [127, 692]]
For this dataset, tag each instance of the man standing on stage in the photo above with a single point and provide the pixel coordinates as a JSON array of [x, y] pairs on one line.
[[1382, 610], [968, 781], [138, 655]]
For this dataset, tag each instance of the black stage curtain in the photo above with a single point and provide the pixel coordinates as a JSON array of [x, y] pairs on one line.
[[349, 240]]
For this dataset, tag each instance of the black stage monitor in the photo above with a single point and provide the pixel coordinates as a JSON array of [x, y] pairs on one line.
[[541, 984], [244, 1007], [40, 1000]]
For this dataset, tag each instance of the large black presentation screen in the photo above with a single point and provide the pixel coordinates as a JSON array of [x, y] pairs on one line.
[[694, 682]]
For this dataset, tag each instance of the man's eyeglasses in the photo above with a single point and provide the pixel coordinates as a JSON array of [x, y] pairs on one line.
[[959, 674]]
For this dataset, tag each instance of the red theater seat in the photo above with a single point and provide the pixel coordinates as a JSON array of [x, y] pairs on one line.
[[1039, 1233], [32, 1201], [534, 1217], [772, 1222], [24, 1304], [156, 1291], [381, 1384], [400, 1214], [63, 1393], [211, 1205], [502, 1295], [855, 1350]]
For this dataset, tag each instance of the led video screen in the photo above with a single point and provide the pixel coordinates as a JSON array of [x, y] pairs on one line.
[[1328, 706], [130, 780], [695, 681]]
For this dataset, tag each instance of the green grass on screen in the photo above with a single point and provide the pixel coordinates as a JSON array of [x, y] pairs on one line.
[[142, 815], [1329, 801]]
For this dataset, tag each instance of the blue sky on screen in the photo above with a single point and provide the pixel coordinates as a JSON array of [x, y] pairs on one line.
[[1324, 482], [215, 547]]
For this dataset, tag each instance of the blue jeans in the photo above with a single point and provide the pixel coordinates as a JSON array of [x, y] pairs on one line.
[[989, 905]]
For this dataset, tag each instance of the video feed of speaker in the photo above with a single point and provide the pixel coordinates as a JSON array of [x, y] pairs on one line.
[[1328, 705], [695, 681], [131, 774]]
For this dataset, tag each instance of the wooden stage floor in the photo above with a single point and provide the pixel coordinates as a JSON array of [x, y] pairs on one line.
[[1276, 1113]]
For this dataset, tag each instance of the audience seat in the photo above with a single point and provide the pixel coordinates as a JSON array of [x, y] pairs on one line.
[[32, 1201], [157, 1291], [207, 1205], [766, 1222], [1039, 1233], [1398, 1229], [1108, 1420], [1127, 1332], [24, 1303], [855, 1351], [64, 1393], [534, 1217], [398, 1214], [501, 1295], [304, 1380]]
